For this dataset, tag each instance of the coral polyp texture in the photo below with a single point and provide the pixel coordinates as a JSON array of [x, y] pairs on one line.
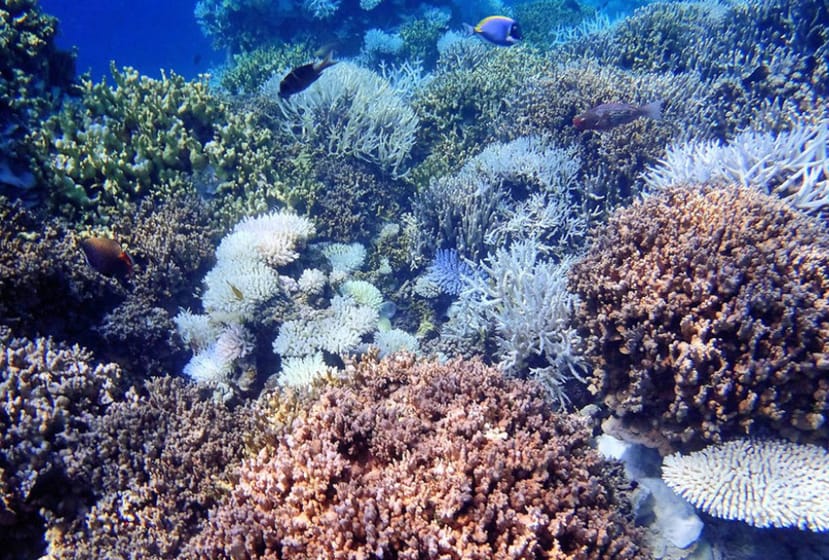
[[705, 314], [414, 460], [766, 483]]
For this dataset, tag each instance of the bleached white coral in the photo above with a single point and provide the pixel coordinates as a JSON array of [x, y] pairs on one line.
[[395, 340], [792, 165], [362, 292], [208, 367], [302, 371], [197, 331], [338, 329], [371, 121], [321, 9], [525, 298], [233, 343], [344, 257], [235, 289], [369, 4], [275, 236], [766, 483], [311, 281]]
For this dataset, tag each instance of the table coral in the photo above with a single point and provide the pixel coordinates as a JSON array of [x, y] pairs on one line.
[[705, 313], [419, 460]]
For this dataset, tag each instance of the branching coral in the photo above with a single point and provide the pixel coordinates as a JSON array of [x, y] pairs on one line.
[[793, 165], [152, 464], [145, 138], [45, 390], [33, 73], [420, 460], [705, 314], [352, 111], [520, 190], [523, 298]]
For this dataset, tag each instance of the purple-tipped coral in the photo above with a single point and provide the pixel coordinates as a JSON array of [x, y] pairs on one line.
[[420, 460], [705, 313]]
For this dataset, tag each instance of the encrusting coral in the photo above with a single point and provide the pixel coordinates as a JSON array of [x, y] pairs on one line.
[[705, 311], [410, 459]]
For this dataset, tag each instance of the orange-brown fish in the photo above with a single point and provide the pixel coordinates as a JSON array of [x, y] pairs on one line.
[[303, 76], [610, 115], [106, 256]]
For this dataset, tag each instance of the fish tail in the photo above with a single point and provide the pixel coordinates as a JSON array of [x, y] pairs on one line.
[[468, 29], [326, 62], [652, 110]]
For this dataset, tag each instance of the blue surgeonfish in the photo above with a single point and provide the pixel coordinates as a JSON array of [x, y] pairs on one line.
[[499, 30]]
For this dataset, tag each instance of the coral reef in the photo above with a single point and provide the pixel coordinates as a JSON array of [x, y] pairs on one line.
[[523, 300], [46, 390], [766, 483], [352, 111], [146, 138], [749, 52], [47, 288], [419, 460], [247, 72], [792, 164], [520, 190], [33, 75], [704, 313], [153, 464]]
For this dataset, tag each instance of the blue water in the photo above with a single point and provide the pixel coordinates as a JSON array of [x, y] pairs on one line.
[[150, 35]]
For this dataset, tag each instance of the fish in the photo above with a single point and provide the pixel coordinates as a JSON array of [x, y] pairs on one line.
[[237, 293], [498, 30], [303, 76], [611, 115], [107, 257]]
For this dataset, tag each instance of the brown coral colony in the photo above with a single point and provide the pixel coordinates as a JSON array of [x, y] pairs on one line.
[[706, 314]]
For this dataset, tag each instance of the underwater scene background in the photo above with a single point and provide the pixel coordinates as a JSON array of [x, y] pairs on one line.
[[387, 279]]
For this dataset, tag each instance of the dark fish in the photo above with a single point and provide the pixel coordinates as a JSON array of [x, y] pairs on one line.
[[303, 76], [610, 115], [498, 30], [107, 257]]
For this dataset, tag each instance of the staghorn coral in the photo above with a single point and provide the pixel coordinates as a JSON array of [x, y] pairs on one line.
[[766, 483], [704, 311], [792, 164], [352, 112], [153, 464], [46, 388], [419, 460]]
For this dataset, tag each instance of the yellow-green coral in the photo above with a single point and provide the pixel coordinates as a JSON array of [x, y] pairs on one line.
[[249, 70], [464, 104], [540, 18], [147, 138]]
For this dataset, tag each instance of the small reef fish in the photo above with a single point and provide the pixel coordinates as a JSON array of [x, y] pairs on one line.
[[610, 115], [303, 76], [106, 256], [498, 30]]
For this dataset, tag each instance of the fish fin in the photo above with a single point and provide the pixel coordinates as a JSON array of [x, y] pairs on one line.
[[325, 62], [652, 110]]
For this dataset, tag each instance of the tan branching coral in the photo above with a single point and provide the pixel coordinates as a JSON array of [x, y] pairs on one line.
[[419, 460], [707, 316]]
